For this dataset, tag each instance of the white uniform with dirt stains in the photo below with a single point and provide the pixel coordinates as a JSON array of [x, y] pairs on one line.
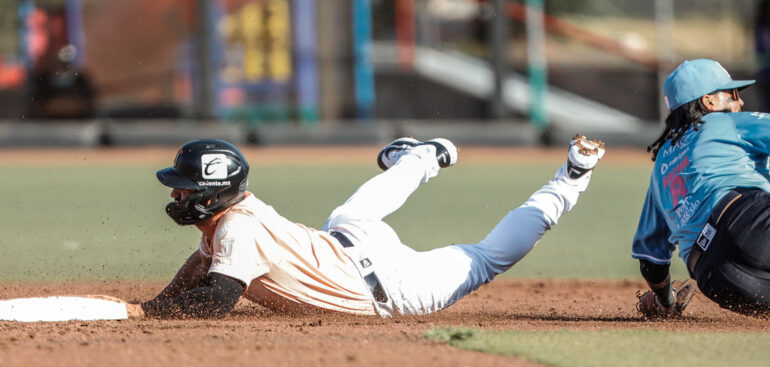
[[291, 267]]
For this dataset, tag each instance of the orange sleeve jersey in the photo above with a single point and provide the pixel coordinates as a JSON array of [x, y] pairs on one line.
[[288, 267]]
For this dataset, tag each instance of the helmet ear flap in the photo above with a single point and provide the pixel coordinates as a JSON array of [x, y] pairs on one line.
[[188, 210]]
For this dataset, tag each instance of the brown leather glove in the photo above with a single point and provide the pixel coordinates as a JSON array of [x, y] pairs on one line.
[[650, 307]]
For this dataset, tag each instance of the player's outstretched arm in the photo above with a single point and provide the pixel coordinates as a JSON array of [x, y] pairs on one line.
[[135, 310], [665, 298], [193, 293], [191, 275], [214, 299]]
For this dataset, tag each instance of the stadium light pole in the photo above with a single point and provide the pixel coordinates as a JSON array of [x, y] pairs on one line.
[[76, 34], [205, 29], [536, 59], [498, 30], [363, 69], [306, 50], [405, 32], [664, 21]]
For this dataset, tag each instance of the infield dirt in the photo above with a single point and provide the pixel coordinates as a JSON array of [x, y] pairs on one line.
[[253, 335]]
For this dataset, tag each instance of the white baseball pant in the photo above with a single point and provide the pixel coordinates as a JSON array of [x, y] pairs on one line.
[[424, 282]]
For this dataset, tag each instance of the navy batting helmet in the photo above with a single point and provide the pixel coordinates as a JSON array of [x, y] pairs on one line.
[[216, 171]]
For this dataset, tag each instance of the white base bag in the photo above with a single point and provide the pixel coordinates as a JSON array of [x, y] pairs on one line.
[[61, 308]]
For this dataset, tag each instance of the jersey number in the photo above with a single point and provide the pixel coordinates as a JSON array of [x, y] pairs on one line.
[[675, 182]]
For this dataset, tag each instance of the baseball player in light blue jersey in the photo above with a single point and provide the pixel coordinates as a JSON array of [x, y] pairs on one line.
[[708, 196]]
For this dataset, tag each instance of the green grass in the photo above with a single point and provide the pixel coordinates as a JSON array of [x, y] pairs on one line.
[[626, 348], [102, 222], [106, 223], [593, 240]]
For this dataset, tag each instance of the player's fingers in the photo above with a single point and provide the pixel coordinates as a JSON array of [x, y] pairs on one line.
[[105, 297], [134, 310]]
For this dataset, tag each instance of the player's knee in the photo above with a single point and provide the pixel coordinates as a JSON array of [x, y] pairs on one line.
[[339, 216]]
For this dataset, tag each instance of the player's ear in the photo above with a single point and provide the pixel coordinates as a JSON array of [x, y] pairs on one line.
[[710, 102]]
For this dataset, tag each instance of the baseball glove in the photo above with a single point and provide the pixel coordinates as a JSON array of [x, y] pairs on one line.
[[649, 306]]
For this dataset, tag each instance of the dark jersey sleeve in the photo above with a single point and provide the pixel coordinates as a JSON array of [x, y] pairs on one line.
[[215, 299], [651, 239]]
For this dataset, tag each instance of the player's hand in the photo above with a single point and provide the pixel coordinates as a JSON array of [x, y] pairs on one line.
[[105, 297], [134, 310], [650, 307]]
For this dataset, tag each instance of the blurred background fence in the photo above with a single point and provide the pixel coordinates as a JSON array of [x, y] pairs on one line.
[[91, 72]]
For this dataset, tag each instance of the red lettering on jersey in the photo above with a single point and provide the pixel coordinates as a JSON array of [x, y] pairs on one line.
[[674, 181]]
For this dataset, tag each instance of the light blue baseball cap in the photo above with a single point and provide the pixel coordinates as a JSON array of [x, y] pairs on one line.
[[696, 78]]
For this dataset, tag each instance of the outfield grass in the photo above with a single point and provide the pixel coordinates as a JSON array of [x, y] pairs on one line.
[[643, 348], [101, 222]]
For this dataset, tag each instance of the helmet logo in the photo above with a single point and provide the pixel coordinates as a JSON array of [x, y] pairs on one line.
[[214, 166]]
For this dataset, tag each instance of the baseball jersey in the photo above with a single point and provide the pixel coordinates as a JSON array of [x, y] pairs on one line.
[[288, 267], [690, 177]]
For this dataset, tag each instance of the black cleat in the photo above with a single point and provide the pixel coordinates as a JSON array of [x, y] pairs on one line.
[[390, 154], [446, 152]]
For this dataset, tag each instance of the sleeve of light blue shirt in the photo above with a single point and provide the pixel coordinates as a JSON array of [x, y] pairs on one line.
[[752, 127], [651, 239]]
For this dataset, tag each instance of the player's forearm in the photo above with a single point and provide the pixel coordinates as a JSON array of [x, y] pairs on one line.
[[134, 310], [190, 276], [214, 299], [658, 279]]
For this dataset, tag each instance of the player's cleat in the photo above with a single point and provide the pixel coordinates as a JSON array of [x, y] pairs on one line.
[[446, 152], [392, 152], [583, 155]]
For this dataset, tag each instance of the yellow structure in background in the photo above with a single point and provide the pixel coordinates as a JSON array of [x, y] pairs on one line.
[[279, 33], [251, 28], [258, 43]]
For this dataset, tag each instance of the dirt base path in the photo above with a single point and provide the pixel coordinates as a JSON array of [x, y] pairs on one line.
[[253, 335]]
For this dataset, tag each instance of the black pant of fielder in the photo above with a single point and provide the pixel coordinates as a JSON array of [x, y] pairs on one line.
[[734, 268]]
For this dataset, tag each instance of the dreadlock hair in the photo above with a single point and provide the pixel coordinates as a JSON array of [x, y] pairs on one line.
[[678, 122]]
